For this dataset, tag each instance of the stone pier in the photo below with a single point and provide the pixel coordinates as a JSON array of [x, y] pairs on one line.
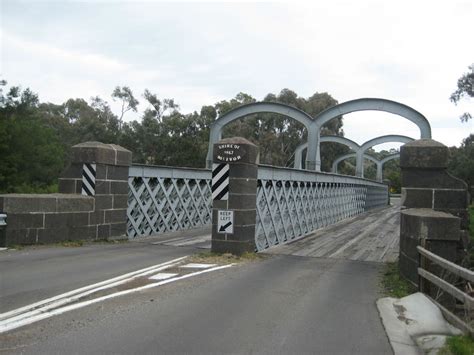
[[234, 213]]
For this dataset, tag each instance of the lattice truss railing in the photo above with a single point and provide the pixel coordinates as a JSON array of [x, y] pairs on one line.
[[291, 204], [163, 199]]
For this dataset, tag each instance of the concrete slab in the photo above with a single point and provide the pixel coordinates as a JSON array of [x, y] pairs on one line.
[[414, 324]]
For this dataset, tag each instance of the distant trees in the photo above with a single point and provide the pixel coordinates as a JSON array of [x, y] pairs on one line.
[[465, 89], [31, 154], [461, 160], [35, 137]]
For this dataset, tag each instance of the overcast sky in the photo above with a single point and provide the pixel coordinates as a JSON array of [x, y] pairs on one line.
[[200, 53]]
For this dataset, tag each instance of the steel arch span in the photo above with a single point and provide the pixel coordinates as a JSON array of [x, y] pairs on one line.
[[378, 163], [313, 125], [250, 109], [358, 149]]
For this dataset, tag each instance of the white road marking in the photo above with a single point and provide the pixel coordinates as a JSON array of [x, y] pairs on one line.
[[76, 297], [47, 314], [2, 249], [162, 276], [197, 266], [93, 288], [192, 241]]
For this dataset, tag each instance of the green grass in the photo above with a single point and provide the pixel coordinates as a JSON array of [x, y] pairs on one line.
[[458, 345], [393, 284]]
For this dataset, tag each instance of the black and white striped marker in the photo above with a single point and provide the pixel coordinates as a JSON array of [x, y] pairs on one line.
[[220, 181], [88, 179]]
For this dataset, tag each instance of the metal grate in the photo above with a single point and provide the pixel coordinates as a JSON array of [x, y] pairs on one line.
[[163, 199], [292, 203]]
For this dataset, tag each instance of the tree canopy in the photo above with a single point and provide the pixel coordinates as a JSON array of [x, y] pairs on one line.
[[36, 137], [465, 89]]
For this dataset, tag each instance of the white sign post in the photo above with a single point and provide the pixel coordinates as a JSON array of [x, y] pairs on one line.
[[225, 222]]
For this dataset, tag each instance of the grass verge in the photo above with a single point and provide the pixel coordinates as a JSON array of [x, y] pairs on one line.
[[67, 244], [393, 284], [458, 345], [226, 258]]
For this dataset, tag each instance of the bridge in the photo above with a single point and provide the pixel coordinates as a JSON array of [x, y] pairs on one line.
[[273, 205], [325, 231]]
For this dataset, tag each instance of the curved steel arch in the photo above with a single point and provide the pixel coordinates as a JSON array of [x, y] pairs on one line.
[[359, 150], [334, 139], [376, 104], [390, 157], [375, 141], [350, 155], [257, 107], [386, 139], [341, 140], [378, 163]]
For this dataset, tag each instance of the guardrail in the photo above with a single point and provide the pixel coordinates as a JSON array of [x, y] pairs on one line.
[[290, 202], [166, 199], [427, 257]]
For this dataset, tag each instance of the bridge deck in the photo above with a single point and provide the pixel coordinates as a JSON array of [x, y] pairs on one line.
[[373, 236]]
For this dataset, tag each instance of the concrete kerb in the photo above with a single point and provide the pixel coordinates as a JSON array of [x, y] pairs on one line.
[[414, 324]]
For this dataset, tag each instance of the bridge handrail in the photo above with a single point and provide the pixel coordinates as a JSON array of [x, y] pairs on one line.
[[166, 199], [269, 172], [141, 170]]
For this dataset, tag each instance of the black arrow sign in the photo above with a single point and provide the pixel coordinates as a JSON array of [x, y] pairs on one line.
[[224, 227]]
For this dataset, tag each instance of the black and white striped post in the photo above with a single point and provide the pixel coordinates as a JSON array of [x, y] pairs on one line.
[[234, 188], [88, 179]]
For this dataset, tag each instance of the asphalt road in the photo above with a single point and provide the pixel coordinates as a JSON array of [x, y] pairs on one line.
[[36, 273], [281, 305]]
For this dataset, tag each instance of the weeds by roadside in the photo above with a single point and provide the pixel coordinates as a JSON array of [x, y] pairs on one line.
[[392, 284], [226, 258], [68, 244], [458, 345]]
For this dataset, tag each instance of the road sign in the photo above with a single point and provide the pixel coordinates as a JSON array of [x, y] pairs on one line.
[[225, 222]]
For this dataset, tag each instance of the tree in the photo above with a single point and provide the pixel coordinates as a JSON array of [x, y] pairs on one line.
[[461, 160], [465, 89], [159, 107], [125, 95], [32, 155]]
